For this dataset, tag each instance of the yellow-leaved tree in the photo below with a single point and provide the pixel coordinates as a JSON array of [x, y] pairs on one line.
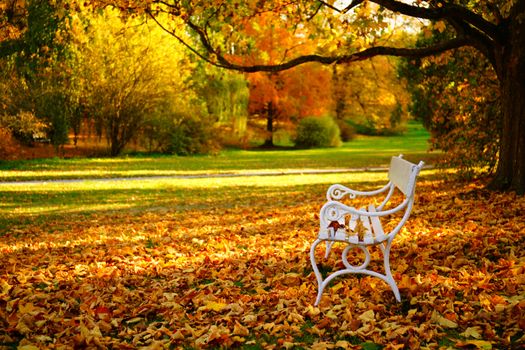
[[135, 77]]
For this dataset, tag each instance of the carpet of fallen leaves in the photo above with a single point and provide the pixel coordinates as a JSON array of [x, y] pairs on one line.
[[239, 275]]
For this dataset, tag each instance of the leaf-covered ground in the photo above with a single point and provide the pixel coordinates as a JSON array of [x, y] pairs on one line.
[[235, 272]]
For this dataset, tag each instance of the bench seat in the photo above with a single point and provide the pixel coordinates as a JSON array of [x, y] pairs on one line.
[[373, 229]]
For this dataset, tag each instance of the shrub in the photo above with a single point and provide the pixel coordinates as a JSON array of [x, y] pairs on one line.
[[347, 130], [179, 134], [192, 136], [24, 126], [317, 132]]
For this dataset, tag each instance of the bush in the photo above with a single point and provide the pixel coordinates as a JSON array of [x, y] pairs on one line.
[[24, 127], [317, 132], [347, 130], [179, 134], [192, 136]]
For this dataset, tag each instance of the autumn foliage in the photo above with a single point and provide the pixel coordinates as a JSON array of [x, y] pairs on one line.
[[234, 272]]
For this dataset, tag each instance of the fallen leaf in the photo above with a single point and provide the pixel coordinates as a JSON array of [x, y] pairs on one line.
[[443, 321], [239, 329], [479, 344], [472, 332], [367, 316]]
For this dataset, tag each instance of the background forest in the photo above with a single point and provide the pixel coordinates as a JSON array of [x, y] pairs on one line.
[[105, 83]]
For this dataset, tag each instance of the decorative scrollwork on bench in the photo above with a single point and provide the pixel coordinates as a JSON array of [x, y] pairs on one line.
[[362, 228]]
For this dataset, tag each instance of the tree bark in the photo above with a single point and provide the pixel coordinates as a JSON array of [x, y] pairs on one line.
[[510, 173], [270, 116]]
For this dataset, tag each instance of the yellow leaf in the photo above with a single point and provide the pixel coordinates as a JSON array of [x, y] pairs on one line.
[[367, 316], [250, 318], [440, 26], [239, 329], [214, 306], [321, 346], [235, 309], [134, 320], [28, 347], [312, 311], [343, 344], [331, 315], [337, 287], [479, 344], [5, 287], [442, 321], [214, 333], [472, 332], [178, 335], [26, 308], [294, 317]]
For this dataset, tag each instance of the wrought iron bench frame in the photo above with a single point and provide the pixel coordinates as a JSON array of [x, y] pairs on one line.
[[341, 223]]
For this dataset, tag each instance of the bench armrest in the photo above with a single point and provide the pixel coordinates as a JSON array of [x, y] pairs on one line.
[[333, 211], [337, 192]]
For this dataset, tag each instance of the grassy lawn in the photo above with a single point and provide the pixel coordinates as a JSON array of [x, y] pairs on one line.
[[26, 204], [362, 152]]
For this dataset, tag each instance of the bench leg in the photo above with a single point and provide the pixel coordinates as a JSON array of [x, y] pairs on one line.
[[318, 276], [387, 277], [388, 274], [329, 245]]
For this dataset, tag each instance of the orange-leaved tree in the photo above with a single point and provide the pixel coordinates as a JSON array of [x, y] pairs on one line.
[[283, 96]]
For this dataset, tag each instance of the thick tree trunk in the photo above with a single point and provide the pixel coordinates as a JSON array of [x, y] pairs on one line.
[[510, 173]]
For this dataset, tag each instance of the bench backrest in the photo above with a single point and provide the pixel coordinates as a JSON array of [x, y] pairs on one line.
[[403, 174]]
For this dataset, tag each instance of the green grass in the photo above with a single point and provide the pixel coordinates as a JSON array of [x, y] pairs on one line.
[[38, 203], [364, 151], [56, 202]]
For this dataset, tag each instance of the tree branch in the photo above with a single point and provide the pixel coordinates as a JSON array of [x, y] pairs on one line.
[[330, 6], [179, 39], [353, 3], [461, 20], [358, 56], [446, 12]]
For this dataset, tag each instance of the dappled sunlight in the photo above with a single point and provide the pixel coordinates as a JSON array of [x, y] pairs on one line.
[[100, 196], [232, 267]]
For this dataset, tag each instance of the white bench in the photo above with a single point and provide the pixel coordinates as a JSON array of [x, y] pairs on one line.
[[362, 228]]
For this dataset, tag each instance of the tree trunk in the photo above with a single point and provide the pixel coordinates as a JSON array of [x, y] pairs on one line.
[[510, 173], [270, 115]]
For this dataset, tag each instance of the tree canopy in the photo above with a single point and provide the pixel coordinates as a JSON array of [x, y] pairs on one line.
[[349, 31]]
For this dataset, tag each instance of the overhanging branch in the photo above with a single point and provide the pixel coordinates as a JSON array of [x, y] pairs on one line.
[[358, 56], [216, 58], [445, 12], [179, 39], [406, 52]]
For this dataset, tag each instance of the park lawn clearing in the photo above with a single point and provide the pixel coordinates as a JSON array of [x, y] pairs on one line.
[[363, 152], [223, 263]]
